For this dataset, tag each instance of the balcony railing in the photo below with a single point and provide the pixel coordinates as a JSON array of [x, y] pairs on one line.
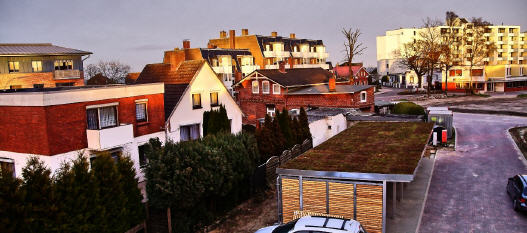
[[222, 69], [246, 69], [67, 74], [276, 53], [103, 139]]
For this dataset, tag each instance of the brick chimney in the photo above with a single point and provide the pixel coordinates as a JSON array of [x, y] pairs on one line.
[[211, 46], [245, 32], [274, 34], [281, 66], [186, 44], [332, 84], [292, 35], [232, 39], [223, 34], [237, 76], [290, 62]]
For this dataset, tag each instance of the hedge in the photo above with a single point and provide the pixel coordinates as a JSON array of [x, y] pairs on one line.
[[408, 108]]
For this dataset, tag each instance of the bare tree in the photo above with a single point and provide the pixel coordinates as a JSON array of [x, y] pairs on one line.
[[449, 48], [477, 46], [352, 46], [413, 57], [113, 70], [430, 37]]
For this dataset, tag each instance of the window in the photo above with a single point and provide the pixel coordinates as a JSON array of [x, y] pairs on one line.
[[7, 165], [453, 73], [508, 70], [214, 99], [14, 66], [142, 155], [511, 30], [114, 153], [36, 66], [196, 101], [477, 72], [256, 88], [64, 65], [189, 132], [101, 117], [38, 85], [387, 66], [265, 87], [271, 110], [276, 89], [141, 113], [70, 84], [521, 71], [363, 96]]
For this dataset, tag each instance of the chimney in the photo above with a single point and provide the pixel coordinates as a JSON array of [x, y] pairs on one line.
[[210, 46], [290, 62], [223, 34], [245, 32], [332, 84], [274, 34], [186, 44], [232, 37], [292, 35], [237, 76], [281, 66]]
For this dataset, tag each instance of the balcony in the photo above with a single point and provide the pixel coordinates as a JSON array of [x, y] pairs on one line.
[[246, 69], [67, 74], [323, 66], [276, 53], [108, 138], [222, 69]]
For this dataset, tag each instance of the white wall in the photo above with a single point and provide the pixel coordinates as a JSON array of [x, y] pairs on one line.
[[204, 83], [320, 131]]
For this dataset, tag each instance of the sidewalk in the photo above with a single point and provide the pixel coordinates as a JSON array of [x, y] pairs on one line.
[[410, 209]]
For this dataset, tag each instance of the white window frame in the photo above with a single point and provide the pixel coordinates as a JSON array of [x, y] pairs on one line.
[[192, 100], [365, 96], [98, 107], [38, 65], [270, 113], [264, 83], [274, 90], [257, 86], [142, 101]]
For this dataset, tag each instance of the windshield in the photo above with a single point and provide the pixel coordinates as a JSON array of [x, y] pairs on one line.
[[285, 228]]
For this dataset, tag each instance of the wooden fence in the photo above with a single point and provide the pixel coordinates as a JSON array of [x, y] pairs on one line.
[[275, 161]]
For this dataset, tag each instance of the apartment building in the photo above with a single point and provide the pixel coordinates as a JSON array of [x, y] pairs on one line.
[[57, 124], [225, 62], [40, 65], [501, 70], [269, 51]]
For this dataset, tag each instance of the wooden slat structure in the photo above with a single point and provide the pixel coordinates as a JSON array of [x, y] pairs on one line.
[[314, 197], [290, 198], [341, 201], [369, 207]]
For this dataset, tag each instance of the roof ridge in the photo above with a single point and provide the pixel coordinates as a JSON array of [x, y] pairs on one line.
[[26, 44]]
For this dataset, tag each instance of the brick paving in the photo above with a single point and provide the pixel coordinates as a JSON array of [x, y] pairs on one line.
[[467, 191]]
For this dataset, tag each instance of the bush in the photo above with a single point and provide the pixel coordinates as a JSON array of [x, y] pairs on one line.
[[216, 121], [408, 108], [522, 96]]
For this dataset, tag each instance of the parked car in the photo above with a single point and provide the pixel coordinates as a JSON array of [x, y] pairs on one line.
[[309, 224], [517, 190]]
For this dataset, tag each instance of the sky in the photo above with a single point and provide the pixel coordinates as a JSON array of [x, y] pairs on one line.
[[136, 32]]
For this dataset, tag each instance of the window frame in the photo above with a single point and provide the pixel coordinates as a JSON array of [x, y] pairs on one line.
[[62, 65], [270, 113], [190, 132], [257, 87], [9, 162], [39, 66], [140, 102], [14, 69], [217, 99], [365, 93], [279, 89], [268, 87], [98, 107], [194, 105]]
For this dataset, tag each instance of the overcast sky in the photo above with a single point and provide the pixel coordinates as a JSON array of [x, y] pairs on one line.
[[136, 32]]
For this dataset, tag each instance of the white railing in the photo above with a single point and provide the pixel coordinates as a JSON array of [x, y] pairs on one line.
[[102, 139], [276, 53], [67, 74], [222, 69]]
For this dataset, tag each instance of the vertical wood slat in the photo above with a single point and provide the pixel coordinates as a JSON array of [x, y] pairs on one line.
[[341, 199], [290, 198], [314, 196], [370, 206]]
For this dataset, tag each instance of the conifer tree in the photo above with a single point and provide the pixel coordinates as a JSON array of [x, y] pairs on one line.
[[296, 130], [134, 210], [279, 141], [12, 217], [266, 144], [284, 120], [304, 124]]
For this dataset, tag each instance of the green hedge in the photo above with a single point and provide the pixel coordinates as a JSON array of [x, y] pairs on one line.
[[408, 108]]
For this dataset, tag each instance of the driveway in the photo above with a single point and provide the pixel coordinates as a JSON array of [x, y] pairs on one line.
[[467, 191]]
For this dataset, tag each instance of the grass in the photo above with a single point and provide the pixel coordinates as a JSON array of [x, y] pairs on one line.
[[369, 147], [522, 96], [520, 139]]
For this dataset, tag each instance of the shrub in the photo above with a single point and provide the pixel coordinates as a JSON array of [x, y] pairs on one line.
[[408, 108], [216, 121], [522, 96]]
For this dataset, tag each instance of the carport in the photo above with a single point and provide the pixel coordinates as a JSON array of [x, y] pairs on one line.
[[352, 174]]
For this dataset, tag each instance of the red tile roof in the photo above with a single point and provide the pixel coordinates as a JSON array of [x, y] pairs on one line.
[[344, 70], [165, 73]]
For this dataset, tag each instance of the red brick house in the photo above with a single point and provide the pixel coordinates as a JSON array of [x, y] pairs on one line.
[[56, 124], [264, 91], [360, 75]]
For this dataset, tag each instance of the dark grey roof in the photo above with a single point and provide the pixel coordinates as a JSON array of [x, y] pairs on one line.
[[297, 76], [209, 54], [321, 113], [37, 49], [288, 42], [173, 92], [389, 118], [324, 89]]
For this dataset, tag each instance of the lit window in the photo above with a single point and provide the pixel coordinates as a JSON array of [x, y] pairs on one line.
[[37, 66], [477, 72], [101, 117], [256, 88], [271, 110], [196, 101], [14, 66], [64, 65], [265, 87], [189, 132], [214, 99], [276, 89], [363, 96], [141, 111]]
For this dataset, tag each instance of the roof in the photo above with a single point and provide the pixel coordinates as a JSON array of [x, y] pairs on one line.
[[161, 72], [366, 151], [131, 77], [297, 76], [37, 49], [344, 70], [326, 224], [324, 89], [289, 43], [321, 113], [173, 92], [99, 79]]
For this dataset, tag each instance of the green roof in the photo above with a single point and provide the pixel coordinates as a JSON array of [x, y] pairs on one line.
[[369, 147]]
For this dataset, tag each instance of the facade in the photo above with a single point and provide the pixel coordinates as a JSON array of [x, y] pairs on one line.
[[269, 51], [56, 124], [190, 89], [505, 69], [40, 65], [265, 91], [325, 123]]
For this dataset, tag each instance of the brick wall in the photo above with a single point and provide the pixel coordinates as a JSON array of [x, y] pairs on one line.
[[58, 129], [26, 80]]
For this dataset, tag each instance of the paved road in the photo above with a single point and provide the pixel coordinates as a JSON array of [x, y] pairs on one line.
[[467, 191], [388, 94]]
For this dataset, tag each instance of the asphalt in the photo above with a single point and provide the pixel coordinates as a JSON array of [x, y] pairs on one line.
[[467, 191]]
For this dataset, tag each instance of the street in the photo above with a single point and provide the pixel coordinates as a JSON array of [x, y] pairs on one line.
[[467, 192]]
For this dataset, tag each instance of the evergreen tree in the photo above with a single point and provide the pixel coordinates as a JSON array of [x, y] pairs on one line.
[[39, 198], [284, 120], [12, 217], [266, 144], [279, 142], [206, 117], [134, 209], [296, 130], [304, 124], [216, 121]]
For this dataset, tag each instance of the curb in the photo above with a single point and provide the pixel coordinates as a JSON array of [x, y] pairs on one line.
[[518, 151], [426, 193]]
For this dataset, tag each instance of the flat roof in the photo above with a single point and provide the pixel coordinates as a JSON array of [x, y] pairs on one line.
[[375, 151], [28, 49]]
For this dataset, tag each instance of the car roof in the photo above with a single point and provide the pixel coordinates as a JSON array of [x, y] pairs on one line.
[[328, 224], [523, 178]]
